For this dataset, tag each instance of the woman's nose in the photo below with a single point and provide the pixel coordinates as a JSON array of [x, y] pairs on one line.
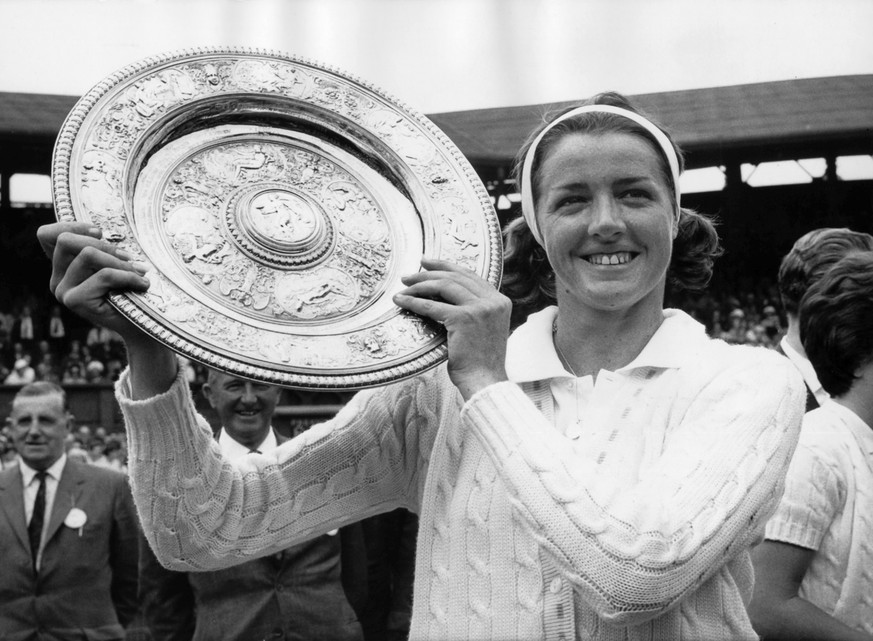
[[606, 217]]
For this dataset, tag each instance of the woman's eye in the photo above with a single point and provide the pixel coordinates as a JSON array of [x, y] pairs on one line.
[[636, 194], [570, 200]]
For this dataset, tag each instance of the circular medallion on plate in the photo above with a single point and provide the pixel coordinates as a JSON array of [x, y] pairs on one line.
[[277, 203]]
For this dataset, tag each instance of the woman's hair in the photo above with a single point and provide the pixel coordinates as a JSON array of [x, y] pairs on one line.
[[811, 256], [528, 278], [835, 326]]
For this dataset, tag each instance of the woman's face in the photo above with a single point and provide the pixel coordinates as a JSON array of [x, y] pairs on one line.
[[607, 220]]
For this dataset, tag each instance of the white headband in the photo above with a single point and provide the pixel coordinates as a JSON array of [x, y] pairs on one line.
[[527, 204]]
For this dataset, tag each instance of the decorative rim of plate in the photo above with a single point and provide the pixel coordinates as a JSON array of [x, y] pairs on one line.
[[129, 305]]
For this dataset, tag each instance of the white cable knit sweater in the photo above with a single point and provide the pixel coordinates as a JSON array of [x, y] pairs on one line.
[[639, 532]]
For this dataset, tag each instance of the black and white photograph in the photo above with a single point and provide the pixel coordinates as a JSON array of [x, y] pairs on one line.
[[436, 320]]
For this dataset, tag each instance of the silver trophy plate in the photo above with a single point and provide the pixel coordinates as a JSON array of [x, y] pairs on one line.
[[277, 203]]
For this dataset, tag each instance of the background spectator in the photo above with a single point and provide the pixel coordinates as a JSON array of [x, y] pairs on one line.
[[22, 373], [812, 578], [77, 567], [812, 255], [300, 592]]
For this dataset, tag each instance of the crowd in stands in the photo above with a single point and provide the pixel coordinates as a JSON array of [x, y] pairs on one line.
[[38, 343], [745, 317], [37, 347]]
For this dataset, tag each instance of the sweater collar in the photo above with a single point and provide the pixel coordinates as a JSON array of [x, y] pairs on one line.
[[531, 355]]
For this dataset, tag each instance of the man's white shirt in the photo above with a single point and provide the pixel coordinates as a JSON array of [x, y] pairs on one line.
[[234, 450]]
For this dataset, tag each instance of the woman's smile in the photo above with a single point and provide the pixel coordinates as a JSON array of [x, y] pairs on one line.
[[611, 259]]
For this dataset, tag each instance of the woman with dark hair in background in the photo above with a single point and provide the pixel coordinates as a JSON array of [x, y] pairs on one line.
[[814, 578], [600, 474]]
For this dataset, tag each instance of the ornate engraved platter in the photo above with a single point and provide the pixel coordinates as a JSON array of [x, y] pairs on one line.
[[277, 203]]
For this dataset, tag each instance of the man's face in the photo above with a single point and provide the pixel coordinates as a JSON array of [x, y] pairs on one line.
[[245, 408], [39, 426]]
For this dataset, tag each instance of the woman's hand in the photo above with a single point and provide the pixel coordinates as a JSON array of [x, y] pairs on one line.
[[475, 315], [85, 269]]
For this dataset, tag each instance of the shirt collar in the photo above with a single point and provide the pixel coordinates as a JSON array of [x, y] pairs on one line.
[[531, 355], [54, 470], [806, 370], [235, 450]]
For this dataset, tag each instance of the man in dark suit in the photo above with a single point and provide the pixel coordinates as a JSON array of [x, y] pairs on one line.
[[296, 594], [67, 531]]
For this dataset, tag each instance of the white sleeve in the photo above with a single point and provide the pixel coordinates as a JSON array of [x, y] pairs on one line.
[[199, 511]]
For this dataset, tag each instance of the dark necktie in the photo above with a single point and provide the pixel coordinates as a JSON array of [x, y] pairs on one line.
[[34, 528]]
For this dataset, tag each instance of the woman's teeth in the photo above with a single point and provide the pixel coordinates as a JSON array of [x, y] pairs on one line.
[[618, 258]]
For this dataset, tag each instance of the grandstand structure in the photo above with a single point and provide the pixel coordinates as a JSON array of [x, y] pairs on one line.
[[770, 160]]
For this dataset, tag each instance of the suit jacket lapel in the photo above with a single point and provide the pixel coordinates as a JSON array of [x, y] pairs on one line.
[[68, 495], [12, 502]]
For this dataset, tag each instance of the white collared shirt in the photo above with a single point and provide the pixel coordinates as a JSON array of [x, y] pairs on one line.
[[31, 487], [827, 507], [806, 370], [531, 356], [234, 450]]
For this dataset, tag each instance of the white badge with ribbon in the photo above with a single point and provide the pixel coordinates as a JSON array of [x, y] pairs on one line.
[[76, 519]]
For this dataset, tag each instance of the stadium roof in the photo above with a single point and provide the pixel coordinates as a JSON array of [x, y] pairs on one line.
[[710, 124], [707, 123]]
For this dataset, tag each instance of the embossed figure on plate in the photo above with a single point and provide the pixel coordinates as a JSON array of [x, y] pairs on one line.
[[322, 294], [282, 216]]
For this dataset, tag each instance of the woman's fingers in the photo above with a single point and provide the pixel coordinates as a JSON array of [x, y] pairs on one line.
[[88, 298], [443, 289], [429, 308], [48, 234], [436, 269], [68, 250], [436, 264], [86, 268], [96, 270], [475, 314], [59, 243]]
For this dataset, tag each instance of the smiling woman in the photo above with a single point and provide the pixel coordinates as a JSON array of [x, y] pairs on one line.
[[600, 473], [642, 176], [609, 234]]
